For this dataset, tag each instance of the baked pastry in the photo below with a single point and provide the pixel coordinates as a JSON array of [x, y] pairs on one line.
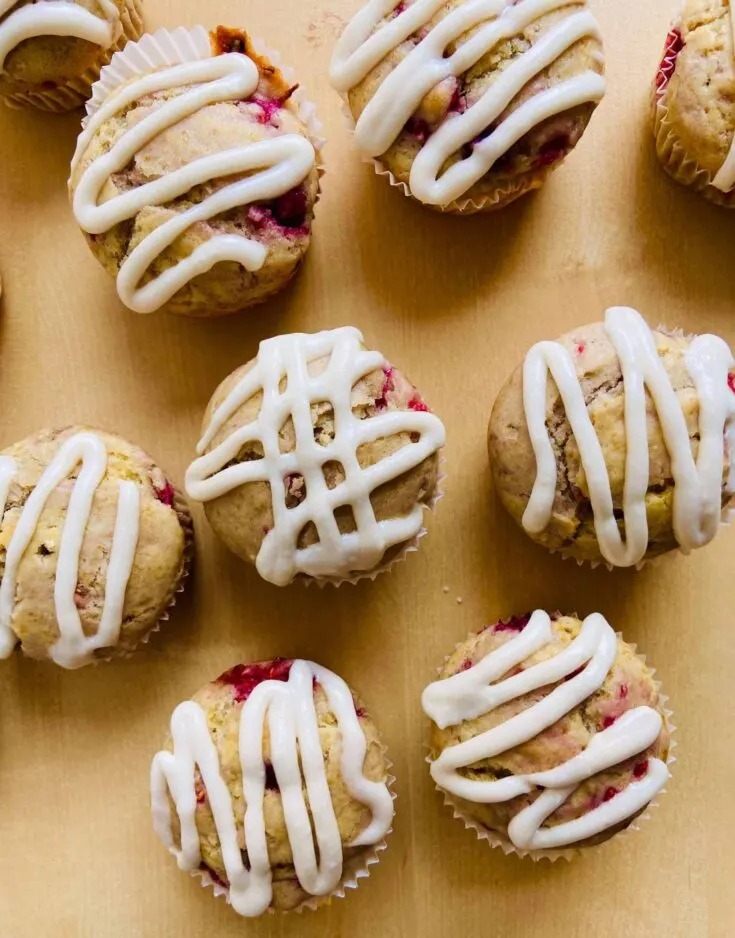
[[547, 733], [51, 52], [94, 545], [468, 105], [195, 176], [317, 460], [627, 452], [273, 785], [694, 100]]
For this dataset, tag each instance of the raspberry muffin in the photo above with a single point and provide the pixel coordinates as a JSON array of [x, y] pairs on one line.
[[547, 733], [195, 182], [468, 106], [94, 544], [52, 53], [317, 460], [694, 101], [290, 742], [616, 442]]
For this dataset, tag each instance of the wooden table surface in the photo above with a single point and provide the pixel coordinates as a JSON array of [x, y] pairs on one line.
[[455, 303]]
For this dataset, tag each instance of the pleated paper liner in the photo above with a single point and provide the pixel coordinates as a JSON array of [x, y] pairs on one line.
[[494, 839], [669, 148], [75, 91], [410, 547], [172, 47], [354, 869]]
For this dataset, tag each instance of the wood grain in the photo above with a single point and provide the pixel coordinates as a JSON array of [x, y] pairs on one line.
[[455, 303]]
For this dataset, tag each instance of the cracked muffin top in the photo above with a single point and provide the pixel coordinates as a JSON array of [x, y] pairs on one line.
[[696, 84], [94, 542], [317, 459], [547, 732], [318, 784], [195, 184], [468, 107], [582, 447]]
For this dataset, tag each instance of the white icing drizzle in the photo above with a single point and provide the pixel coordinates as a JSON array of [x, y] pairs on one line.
[[336, 554], [725, 179], [698, 485], [73, 648], [287, 709], [365, 43], [482, 689], [275, 166], [56, 18]]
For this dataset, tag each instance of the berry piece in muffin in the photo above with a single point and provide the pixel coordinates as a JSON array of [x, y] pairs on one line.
[[469, 106], [694, 100], [289, 740], [195, 183], [94, 543], [616, 442], [317, 459], [547, 732], [51, 53]]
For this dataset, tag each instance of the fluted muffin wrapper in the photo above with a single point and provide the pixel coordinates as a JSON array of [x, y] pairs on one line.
[[410, 547], [76, 91], [565, 853], [170, 47], [513, 189], [181, 506], [670, 150], [352, 872]]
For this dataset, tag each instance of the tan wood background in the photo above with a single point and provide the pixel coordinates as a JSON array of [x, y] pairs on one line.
[[455, 303]]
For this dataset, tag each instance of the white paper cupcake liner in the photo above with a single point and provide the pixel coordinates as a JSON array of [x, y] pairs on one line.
[[354, 869], [410, 547], [495, 840], [669, 149], [75, 92]]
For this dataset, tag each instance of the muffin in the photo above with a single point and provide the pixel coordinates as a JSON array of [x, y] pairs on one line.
[[317, 460], [195, 181], [627, 452], [290, 744], [94, 545], [694, 101], [52, 53], [469, 106], [547, 733]]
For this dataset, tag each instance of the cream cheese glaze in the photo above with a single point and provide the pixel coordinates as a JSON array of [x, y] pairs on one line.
[[56, 18], [73, 648], [275, 166], [578, 671], [365, 43], [287, 710], [698, 484], [288, 356]]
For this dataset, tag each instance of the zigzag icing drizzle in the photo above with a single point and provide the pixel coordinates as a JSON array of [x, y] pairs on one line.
[[480, 690], [56, 18], [73, 649], [336, 554], [287, 709], [698, 485], [365, 43], [275, 167]]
